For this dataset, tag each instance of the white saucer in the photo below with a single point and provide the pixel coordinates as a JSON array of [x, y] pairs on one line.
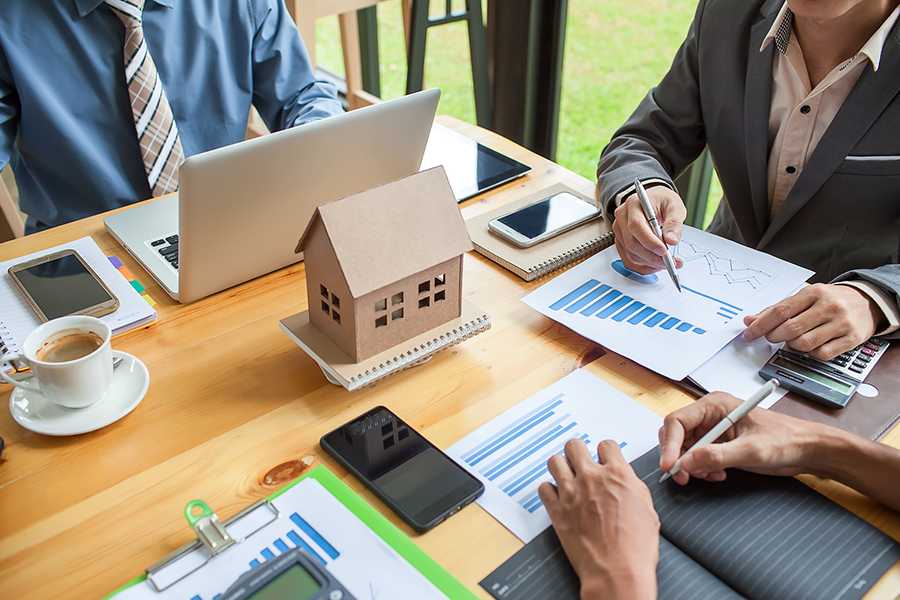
[[129, 385]]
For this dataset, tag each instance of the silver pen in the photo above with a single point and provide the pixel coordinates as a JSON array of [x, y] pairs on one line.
[[727, 423], [650, 213]]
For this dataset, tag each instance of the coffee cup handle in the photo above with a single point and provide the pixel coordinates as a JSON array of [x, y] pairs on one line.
[[30, 385]]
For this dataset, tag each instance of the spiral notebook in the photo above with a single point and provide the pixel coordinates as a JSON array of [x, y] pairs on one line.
[[17, 319], [340, 369], [546, 257]]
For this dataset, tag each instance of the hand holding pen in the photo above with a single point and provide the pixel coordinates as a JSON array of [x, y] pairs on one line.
[[640, 247], [653, 221], [763, 441]]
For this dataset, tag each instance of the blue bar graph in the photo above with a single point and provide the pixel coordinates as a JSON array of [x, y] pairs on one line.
[[641, 315], [628, 311], [669, 323], [595, 299], [532, 501], [593, 308], [656, 319], [520, 427], [615, 306], [319, 546], [315, 536], [515, 457], [587, 299], [575, 294], [299, 542]]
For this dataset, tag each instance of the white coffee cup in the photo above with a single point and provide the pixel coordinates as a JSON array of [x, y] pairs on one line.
[[75, 383]]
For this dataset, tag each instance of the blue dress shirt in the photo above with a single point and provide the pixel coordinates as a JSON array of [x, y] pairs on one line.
[[65, 115]]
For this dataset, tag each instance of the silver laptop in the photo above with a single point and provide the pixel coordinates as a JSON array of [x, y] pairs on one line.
[[241, 208]]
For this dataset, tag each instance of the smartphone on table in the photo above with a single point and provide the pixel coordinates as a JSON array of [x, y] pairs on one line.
[[62, 284], [544, 219], [420, 483]]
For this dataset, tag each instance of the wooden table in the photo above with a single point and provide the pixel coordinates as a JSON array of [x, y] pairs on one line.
[[231, 398]]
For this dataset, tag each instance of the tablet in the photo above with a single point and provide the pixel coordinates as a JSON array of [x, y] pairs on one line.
[[471, 167]]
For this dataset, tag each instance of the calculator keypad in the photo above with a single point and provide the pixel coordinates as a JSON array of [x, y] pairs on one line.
[[858, 363]]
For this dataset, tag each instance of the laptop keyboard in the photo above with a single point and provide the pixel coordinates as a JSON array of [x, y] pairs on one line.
[[168, 249]]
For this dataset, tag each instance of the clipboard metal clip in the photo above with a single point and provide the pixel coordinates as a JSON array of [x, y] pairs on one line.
[[208, 527], [213, 539]]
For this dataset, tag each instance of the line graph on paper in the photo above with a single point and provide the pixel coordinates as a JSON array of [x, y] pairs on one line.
[[731, 271]]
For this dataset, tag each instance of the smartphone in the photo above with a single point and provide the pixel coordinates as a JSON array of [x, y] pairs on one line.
[[420, 483], [62, 284], [544, 219]]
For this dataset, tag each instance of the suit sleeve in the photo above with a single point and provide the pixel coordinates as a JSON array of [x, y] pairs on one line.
[[9, 112], [285, 89], [887, 281], [665, 134]]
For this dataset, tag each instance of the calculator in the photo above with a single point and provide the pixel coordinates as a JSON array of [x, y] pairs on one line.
[[831, 383], [291, 576]]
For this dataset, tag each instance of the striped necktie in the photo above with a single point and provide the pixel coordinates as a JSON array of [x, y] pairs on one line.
[[153, 120]]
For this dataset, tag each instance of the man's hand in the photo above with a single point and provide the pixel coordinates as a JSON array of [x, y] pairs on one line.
[[763, 441], [640, 249], [604, 517], [822, 320]]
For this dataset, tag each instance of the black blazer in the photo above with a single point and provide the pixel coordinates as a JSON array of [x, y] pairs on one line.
[[842, 217]]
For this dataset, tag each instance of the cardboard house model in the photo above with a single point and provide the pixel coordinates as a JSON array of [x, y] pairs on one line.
[[385, 265]]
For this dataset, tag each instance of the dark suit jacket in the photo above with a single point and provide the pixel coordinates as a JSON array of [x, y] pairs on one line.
[[842, 217]]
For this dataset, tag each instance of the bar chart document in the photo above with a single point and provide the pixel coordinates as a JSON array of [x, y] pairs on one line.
[[646, 319], [308, 517], [752, 536], [509, 454]]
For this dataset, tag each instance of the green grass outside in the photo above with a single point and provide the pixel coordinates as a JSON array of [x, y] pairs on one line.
[[615, 51]]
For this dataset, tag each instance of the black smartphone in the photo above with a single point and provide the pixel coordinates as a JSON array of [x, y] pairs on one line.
[[420, 483]]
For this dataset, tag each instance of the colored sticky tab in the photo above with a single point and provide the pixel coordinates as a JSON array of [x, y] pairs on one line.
[[149, 300], [116, 262], [127, 274], [137, 286]]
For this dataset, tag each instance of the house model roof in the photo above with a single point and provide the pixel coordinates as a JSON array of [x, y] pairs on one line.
[[389, 233]]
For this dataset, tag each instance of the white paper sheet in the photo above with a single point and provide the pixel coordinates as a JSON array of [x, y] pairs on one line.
[[735, 369], [509, 454], [361, 561], [647, 320]]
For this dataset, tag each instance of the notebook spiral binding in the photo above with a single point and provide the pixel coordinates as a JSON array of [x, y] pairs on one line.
[[6, 344], [421, 353], [566, 258]]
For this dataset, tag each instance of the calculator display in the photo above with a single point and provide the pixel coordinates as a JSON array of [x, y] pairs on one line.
[[295, 583], [838, 386]]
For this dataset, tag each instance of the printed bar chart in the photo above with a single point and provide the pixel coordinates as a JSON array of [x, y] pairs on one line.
[[515, 459], [312, 542], [636, 315], [726, 310], [602, 301], [509, 454]]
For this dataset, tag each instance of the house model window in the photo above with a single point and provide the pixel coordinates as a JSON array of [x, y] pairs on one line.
[[330, 308], [440, 291], [381, 306]]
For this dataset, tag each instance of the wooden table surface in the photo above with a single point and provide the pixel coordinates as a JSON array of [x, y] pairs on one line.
[[231, 398]]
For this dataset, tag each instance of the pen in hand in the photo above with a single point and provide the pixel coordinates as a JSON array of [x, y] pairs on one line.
[[726, 423], [650, 214]]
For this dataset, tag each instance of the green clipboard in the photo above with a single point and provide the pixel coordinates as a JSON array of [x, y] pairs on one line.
[[374, 520]]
